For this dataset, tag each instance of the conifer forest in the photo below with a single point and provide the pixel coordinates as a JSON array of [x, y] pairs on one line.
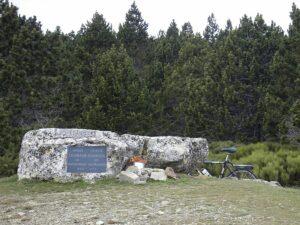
[[226, 83]]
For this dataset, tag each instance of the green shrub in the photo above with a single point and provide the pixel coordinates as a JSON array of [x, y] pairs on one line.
[[8, 165], [272, 161]]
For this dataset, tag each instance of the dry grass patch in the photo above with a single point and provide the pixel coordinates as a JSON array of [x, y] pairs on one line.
[[184, 201]]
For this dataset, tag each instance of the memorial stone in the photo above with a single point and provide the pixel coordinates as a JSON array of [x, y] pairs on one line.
[[67, 154]]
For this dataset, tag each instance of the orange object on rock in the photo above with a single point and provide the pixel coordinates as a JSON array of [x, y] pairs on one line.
[[137, 159]]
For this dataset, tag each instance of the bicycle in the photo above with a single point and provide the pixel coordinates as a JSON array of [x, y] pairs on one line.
[[230, 170]]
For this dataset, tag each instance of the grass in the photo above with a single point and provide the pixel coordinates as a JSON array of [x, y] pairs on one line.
[[11, 185], [189, 201]]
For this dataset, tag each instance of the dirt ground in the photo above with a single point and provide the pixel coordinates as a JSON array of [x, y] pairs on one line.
[[187, 201]]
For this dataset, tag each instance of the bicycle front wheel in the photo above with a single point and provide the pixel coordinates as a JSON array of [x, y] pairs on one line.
[[242, 174]]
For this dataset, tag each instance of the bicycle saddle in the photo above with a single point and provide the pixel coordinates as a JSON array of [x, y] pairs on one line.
[[229, 149]]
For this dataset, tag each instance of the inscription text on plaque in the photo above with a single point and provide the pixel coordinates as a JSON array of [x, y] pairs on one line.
[[86, 159]]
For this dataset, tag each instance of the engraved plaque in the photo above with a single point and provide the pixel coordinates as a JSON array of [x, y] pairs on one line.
[[86, 159]]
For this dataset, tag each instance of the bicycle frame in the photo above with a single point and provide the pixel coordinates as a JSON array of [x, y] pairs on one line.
[[226, 167], [233, 170]]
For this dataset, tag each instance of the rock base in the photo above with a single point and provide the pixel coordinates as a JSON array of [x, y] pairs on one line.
[[135, 175]]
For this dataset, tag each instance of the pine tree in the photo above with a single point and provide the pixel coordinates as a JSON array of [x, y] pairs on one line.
[[116, 94], [187, 30], [9, 24], [97, 36], [133, 33], [172, 46], [212, 29], [224, 33]]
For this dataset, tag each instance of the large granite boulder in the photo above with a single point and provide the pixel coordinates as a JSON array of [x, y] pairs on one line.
[[43, 152]]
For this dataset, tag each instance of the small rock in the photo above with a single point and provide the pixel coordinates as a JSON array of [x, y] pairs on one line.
[[25, 219], [99, 222], [178, 210], [148, 216], [271, 183], [170, 173], [148, 170], [113, 221], [143, 178], [130, 177], [21, 213], [161, 176], [164, 203], [274, 184], [132, 169], [157, 170], [148, 207], [7, 210], [160, 212], [86, 203]]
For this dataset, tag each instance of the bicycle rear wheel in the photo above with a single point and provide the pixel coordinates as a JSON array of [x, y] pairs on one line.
[[242, 174]]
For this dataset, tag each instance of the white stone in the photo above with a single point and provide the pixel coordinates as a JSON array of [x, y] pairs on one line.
[[161, 176], [160, 213], [178, 210], [133, 169], [130, 177], [99, 222], [43, 152], [271, 183], [274, 184], [164, 203], [21, 213]]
